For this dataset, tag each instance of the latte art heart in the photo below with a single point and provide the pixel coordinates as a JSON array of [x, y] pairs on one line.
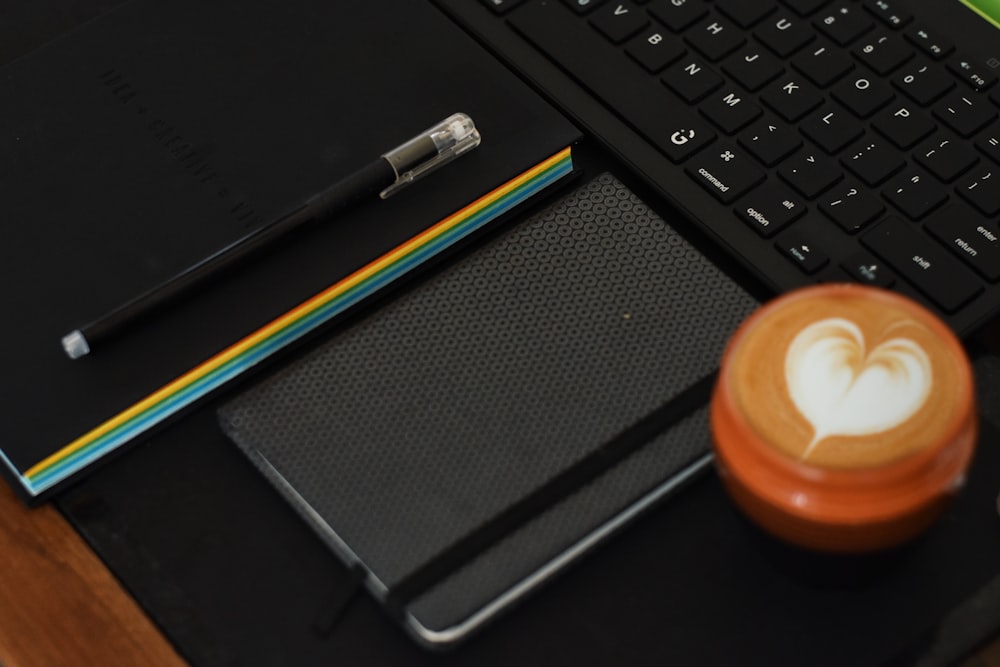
[[843, 390]]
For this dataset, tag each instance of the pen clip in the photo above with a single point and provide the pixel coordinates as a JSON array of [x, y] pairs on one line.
[[430, 149]]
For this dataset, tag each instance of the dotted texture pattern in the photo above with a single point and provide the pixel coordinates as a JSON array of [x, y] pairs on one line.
[[412, 426], [561, 528]]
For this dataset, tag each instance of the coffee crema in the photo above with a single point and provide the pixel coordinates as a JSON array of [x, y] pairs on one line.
[[839, 381]]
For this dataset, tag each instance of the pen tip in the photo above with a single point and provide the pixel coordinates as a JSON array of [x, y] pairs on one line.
[[75, 344]]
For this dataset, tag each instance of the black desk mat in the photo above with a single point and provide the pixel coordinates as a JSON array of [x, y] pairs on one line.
[[233, 576]]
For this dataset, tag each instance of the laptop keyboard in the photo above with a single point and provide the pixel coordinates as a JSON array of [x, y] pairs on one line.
[[853, 112]]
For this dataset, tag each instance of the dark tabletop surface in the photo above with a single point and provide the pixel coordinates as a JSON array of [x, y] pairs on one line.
[[232, 576]]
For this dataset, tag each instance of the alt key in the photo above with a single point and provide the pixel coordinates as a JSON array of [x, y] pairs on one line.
[[770, 208]]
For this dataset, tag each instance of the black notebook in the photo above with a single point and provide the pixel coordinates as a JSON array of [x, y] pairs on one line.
[[482, 429], [163, 131]]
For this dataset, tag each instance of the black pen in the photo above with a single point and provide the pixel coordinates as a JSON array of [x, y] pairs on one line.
[[395, 169]]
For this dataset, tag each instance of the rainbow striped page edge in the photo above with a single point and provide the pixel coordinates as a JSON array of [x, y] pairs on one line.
[[304, 318]]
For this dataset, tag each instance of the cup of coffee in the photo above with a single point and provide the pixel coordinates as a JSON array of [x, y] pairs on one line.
[[844, 417]]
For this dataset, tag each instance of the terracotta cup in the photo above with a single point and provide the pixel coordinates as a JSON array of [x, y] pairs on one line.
[[844, 417]]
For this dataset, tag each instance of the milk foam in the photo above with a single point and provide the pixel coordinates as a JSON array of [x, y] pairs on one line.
[[843, 390]]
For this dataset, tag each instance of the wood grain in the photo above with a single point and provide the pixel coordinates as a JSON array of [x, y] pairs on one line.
[[989, 656], [59, 605]]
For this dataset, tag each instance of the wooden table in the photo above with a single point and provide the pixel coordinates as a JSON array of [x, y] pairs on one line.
[[59, 605]]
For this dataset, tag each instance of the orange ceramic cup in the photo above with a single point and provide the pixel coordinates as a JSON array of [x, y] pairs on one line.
[[844, 418]]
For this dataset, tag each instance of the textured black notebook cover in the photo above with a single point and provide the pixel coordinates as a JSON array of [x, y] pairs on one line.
[[157, 134], [419, 423]]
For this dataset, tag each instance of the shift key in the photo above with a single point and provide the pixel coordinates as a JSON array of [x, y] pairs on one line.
[[931, 268], [725, 172]]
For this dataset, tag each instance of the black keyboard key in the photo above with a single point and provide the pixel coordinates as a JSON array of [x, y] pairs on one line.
[[823, 64], [753, 67], [888, 12], [770, 208], [965, 113], [692, 79], [981, 188], [843, 23], [745, 13], [678, 16], [725, 172], [729, 111], [784, 34], [791, 98], [680, 139], [804, 253], [810, 174], [715, 38], [923, 82], [655, 113], [619, 21], [989, 142], [831, 130], [805, 7], [974, 239], [914, 193], [583, 6], [863, 94], [903, 125], [501, 6], [851, 206], [873, 161], [924, 263], [654, 50], [929, 42], [946, 158], [867, 270], [978, 78], [883, 53], [770, 142]]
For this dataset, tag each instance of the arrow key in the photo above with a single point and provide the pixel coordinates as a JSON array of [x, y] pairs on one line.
[[801, 252], [867, 270]]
